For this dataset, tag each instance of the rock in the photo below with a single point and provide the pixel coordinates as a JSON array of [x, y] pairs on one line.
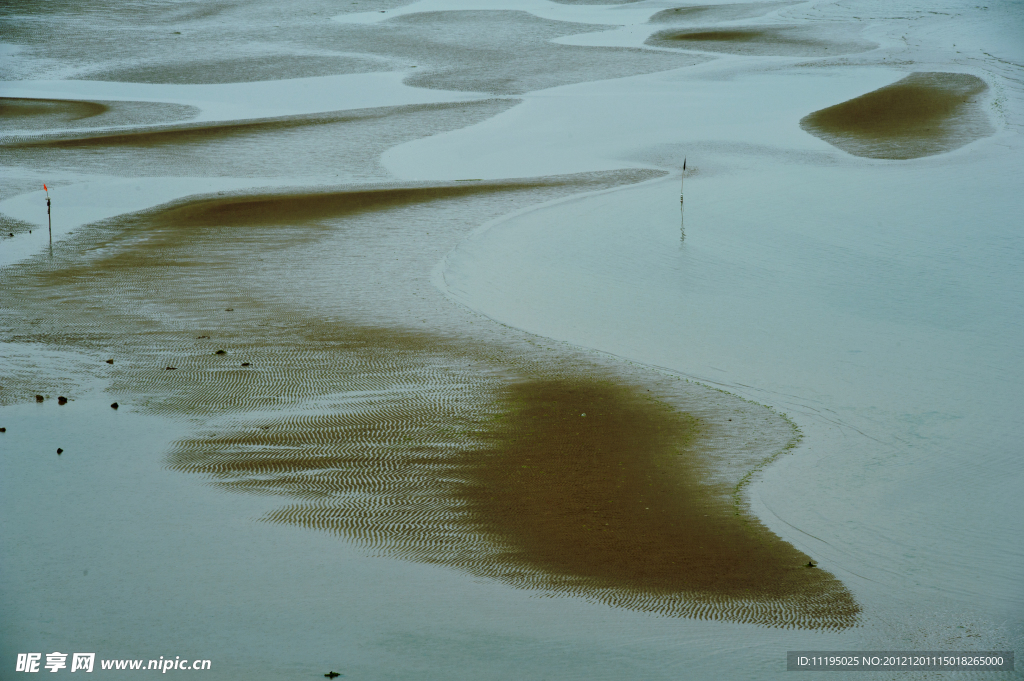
[[3, 430], [245, 364], [62, 400], [110, 361], [39, 398], [221, 352], [332, 674], [59, 451], [229, 309], [114, 405], [171, 369]]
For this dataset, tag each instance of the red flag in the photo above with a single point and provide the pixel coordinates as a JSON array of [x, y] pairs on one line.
[[45, 189]]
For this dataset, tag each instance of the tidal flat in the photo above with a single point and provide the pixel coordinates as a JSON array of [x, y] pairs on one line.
[[424, 369]]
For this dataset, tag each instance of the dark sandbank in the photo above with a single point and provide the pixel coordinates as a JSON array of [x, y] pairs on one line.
[[60, 114], [292, 208], [793, 41], [715, 13], [184, 134], [920, 115], [431, 444], [293, 145], [56, 110]]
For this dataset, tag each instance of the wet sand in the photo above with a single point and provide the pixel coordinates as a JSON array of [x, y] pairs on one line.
[[22, 114], [920, 115], [715, 13], [789, 41], [500, 52], [277, 67], [51, 110], [93, 44], [262, 147], [445, 444]]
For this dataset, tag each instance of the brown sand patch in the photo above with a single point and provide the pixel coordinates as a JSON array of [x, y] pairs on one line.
[[716, 13], [440, 445], [291, 208], [272, 147], [56, 114], [920, 115], [439, 455], [53, 109], [792, 41], [205, 132]]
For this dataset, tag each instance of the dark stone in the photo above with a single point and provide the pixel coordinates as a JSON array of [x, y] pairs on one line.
[[110, 361], [114, 405], [39, 398], [62, 400], [221, 352], [59, 451]]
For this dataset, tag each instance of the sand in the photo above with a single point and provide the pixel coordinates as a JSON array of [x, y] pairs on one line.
[[921, 115], [716, 13], [418, 377], [452, 480], [499, 52], [245, 148], [19, 114], [783, 41]]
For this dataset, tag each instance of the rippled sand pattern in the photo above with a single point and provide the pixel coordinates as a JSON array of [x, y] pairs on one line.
[[920, 115], [758, 41], [470, 451], [416, 452]]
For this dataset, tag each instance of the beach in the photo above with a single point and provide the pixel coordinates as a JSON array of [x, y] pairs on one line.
[[424, 368]]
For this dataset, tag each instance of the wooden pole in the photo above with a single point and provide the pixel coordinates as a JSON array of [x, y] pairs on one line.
[[681, 179], [682, 217]]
